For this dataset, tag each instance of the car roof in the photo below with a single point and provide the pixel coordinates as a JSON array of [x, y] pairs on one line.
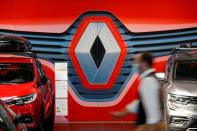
[[186, 56], [184, 53]]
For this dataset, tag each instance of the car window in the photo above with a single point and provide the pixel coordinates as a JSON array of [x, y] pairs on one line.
[[16, 73], [40, 69], [168, 67], [185, 70]]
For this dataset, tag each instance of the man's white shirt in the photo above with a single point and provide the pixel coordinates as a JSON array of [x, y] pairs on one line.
[[149, 90]]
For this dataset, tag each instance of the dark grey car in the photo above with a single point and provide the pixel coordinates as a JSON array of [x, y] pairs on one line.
[[180, 90], [9, 121]]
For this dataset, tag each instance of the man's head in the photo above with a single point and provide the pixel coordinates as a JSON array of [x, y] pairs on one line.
[[144, 61]]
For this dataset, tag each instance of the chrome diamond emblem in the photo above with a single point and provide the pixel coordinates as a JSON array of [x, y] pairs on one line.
[[97, 52]]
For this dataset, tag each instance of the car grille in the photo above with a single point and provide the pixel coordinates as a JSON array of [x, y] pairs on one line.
[[193, 127], [193, 101], [55, 46]]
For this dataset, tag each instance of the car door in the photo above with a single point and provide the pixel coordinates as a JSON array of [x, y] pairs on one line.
[[45, 88]]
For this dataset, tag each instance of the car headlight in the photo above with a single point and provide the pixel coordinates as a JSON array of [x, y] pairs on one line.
[[184, 100], [22, 100]]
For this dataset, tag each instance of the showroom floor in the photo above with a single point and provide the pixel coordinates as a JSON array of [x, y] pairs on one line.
[[62, 125], [94, 127]]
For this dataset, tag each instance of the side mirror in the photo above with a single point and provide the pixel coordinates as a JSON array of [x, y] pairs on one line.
[[43, 80], [160, 75]]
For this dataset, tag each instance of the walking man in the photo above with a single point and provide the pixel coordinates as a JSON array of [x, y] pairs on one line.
[[148, 106]]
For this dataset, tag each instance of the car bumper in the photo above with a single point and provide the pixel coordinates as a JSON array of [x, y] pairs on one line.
[[28, 114], [181, 120]]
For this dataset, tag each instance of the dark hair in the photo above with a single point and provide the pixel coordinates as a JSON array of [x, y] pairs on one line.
[[148, 58]]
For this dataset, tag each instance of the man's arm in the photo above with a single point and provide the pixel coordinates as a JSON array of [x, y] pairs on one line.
[[130, 108]]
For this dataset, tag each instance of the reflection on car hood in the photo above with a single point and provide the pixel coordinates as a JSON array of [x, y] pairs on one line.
[[184, 88], [15, 90]]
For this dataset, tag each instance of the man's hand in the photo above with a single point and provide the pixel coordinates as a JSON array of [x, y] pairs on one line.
[[119, 114]]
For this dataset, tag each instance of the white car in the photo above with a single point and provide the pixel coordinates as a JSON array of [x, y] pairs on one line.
[[180, 90]]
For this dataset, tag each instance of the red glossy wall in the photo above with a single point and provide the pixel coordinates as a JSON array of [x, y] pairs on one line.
[[56, 16]]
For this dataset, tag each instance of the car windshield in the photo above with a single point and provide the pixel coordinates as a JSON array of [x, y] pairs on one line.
[[185, 70], [16, 73]]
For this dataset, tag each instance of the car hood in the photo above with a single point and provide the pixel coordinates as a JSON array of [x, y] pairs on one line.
[[184, 88], [9, 91], [57, 16]]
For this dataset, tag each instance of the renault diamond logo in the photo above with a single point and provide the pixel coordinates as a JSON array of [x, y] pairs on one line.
[[97, 70], [97, 52]]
